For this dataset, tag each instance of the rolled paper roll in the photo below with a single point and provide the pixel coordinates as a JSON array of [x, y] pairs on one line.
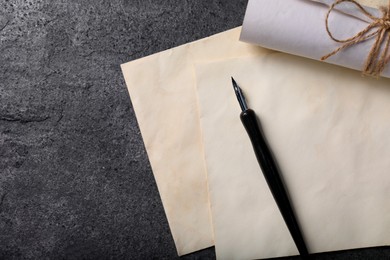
[[298, 27]]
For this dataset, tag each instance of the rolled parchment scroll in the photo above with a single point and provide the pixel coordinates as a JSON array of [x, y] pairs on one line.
[[298, 27]]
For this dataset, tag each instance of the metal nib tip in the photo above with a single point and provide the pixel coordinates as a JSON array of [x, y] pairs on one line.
[[240, 95], [234, 83]]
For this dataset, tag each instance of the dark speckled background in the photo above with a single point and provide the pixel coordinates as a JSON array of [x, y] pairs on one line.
[[75, 181]]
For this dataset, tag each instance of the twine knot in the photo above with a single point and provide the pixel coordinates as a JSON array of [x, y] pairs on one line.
[[377, 58], [384, 23]]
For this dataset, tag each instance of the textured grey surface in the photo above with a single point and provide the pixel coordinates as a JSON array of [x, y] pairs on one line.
[[75, 181]]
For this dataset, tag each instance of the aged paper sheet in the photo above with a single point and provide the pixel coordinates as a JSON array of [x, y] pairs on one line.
[[328, 128], [162, 91]]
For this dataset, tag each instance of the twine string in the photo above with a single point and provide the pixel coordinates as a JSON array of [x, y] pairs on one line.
[[378, 57]]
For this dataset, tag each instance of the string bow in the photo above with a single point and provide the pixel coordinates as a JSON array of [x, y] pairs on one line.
[[377, 57]]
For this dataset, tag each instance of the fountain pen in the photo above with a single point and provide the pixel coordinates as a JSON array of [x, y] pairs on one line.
[[270, 170]]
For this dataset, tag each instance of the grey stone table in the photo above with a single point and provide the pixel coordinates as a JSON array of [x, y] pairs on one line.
[[75, 181]]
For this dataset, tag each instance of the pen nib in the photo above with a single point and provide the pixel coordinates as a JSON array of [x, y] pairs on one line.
[[240, 95]]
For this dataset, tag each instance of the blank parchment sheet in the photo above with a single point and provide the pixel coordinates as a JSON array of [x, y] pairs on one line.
[[328, 128]]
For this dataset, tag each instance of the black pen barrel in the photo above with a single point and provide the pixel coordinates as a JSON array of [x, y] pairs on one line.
[[271, 174]]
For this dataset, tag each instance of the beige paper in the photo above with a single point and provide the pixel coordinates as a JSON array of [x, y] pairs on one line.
[[329, 130], [162, 91], [373, 3]]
